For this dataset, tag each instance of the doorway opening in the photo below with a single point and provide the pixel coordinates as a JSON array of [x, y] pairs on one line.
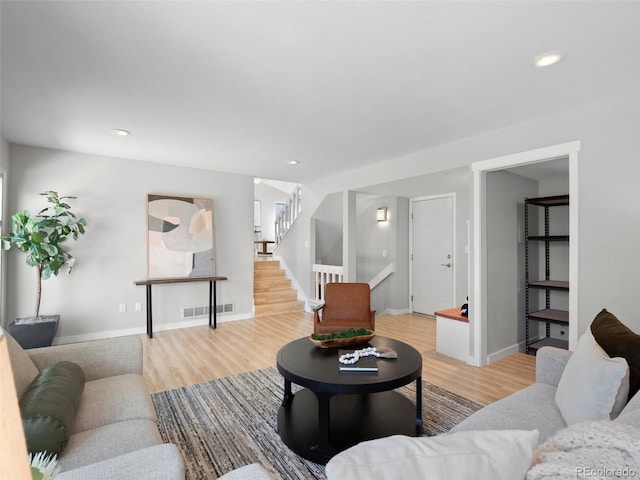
[[480, 316]]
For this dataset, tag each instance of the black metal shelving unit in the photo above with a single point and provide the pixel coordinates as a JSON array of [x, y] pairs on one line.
[[547, 315]]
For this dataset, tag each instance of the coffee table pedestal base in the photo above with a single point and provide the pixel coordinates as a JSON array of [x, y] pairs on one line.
[[353, 418]]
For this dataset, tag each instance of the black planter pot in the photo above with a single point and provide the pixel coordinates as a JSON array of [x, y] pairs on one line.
[[32, 332]]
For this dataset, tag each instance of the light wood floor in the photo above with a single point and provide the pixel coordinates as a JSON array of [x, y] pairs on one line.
[[182, 357]]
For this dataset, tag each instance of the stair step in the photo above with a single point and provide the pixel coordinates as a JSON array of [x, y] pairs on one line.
[[268, 274], [266, 265], [279, 296], [272, 292], [287, 307], [271, 285]]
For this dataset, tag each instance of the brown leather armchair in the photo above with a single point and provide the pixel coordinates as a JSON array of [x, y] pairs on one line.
[[346, 305]]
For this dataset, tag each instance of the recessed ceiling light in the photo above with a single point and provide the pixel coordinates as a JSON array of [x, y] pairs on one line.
[[547, 59], [120, 132], [257, 180], [293, 162]]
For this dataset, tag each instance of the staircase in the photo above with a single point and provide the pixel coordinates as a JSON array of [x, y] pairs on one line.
[[288, 214], [272, 292]]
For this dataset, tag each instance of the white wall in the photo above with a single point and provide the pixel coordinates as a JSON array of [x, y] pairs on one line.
[[609, 213], [4, 153], [112, 255], [328, 230], [373, 238], [6, 219], [449, 181], [398, 300], [454, 181], [268, 197], [505, 255]]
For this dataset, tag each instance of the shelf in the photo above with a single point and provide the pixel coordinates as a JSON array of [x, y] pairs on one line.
[[552, 316], [549, 342], [542, 248], [551, 238], [550, 285], [549, 201]]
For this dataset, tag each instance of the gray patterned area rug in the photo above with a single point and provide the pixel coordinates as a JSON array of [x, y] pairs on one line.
[[230, 422]]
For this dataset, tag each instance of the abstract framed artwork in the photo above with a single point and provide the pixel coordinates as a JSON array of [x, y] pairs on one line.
[[179, 236]]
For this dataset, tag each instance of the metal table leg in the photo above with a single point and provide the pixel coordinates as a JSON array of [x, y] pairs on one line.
[[213, 305], [149, 313], [419, 406]]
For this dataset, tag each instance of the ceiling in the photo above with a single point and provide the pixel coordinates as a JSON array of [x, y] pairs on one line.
[[556, 169], [245, 87]]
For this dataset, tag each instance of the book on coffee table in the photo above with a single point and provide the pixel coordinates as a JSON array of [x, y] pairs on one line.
[[364, 364]]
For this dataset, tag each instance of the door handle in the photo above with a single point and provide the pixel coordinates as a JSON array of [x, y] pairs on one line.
[[445, 265]]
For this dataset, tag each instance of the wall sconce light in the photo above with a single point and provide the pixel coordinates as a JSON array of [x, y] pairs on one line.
[[381, 214]]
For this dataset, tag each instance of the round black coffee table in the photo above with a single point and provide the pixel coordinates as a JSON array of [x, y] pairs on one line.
[[337, 410]]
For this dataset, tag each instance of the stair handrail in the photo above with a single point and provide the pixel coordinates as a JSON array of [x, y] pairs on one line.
[[335, 274], [288, 214], [382, 275]]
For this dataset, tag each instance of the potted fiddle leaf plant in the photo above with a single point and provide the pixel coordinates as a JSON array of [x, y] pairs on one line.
[[42, 238]]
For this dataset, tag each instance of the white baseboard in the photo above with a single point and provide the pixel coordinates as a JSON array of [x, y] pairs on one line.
[[505, 352], [294, 282], [310, 304], [394, 311], [143, 329]]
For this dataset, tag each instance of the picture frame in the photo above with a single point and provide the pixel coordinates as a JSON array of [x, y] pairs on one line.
[[180, 236]]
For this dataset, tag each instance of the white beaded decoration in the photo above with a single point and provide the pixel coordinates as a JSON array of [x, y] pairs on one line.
[[351, 358]]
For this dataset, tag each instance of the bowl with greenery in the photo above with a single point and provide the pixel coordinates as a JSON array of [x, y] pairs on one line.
[[351, 336]]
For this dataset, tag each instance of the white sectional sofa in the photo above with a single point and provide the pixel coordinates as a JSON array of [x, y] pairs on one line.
[[114, 433], [576, 421]]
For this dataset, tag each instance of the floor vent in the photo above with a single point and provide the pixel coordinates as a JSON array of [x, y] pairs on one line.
[[225, 308], [203, 311]]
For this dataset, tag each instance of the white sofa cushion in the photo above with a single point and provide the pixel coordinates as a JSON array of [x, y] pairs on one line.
[[253, 471], [532, 408], [495, 454], [114, 399], [593, 386], [158, 462], [109, 441]]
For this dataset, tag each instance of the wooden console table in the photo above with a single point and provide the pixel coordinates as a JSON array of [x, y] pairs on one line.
[[156, 281], [264, 243]]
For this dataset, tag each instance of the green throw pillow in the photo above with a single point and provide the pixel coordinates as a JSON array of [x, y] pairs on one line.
[[49, 407], [618, 340]]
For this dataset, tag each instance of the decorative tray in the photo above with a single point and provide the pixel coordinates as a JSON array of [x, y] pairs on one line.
[[342, 342]]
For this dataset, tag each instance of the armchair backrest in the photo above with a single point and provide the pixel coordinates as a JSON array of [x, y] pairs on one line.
[[345, 305]]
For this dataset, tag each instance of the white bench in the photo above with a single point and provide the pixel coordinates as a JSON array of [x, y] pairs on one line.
[[452, 334]]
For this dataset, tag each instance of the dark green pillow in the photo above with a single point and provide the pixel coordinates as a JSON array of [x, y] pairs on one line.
[[618, 340], [49, 407]]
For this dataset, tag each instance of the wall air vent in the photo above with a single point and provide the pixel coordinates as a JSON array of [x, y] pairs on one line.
[[225, 308], [203, 311]]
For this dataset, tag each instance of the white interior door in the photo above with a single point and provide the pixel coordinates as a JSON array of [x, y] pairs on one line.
[[432, 244]]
